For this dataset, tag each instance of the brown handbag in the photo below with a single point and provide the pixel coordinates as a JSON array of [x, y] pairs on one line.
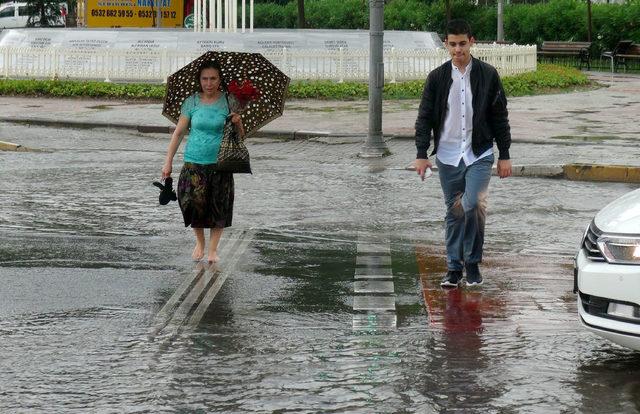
[[233, 155]]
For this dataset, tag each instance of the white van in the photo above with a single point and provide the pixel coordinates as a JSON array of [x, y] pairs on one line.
[[14, 15]]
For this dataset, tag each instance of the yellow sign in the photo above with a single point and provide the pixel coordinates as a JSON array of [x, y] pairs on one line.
[[133, 13]]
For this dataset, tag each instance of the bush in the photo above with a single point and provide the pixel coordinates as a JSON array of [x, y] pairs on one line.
[[546, 78], [57, 88]]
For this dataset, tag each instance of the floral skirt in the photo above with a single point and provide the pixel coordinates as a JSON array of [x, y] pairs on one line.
[[205, 196]]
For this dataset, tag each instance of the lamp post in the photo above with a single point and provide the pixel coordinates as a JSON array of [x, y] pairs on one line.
[[374, 145], [500, 37]]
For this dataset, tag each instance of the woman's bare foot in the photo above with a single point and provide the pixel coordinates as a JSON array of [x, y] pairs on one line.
[[213, 257], [198, 253]]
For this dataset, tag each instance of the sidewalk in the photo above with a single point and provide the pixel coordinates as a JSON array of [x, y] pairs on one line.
[[583, 127]]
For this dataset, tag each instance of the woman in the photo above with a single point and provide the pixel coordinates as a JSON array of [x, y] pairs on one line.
[[204, 194]]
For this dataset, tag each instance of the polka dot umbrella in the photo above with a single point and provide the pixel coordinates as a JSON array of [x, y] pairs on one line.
[[237, 68]]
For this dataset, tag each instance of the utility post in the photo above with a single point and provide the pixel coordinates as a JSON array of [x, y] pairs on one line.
[[159, 13], [589, 24], [375, 146], [500, 37]]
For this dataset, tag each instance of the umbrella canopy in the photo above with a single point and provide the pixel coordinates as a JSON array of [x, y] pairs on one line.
[[240, 67]]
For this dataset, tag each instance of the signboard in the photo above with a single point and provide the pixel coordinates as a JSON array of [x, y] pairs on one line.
[[133, 13]]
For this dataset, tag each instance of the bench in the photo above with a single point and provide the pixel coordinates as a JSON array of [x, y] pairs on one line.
[[633, 52], [493, 42], [573, 49], [621, 48]]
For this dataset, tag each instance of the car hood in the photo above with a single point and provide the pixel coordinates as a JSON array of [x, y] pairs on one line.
[[621, 215]]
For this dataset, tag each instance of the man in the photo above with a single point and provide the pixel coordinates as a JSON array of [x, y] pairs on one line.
[[464, 109]]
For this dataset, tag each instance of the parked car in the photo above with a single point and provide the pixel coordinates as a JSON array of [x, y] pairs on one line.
[[14, 15], [607, 272]]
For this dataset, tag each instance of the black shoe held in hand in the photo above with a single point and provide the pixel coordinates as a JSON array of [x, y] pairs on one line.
[[166, 191]]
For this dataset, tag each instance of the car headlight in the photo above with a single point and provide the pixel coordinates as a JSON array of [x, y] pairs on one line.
[[584, 236], [620, 250]]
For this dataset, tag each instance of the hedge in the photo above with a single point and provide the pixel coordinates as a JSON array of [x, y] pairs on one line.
[[548, 78]]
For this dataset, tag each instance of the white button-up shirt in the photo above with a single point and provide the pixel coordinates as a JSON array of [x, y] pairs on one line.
[[455, 139]]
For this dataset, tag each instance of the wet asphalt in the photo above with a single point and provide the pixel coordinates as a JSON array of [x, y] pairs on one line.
[[102, 310]]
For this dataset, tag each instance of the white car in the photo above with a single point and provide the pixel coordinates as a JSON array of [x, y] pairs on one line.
[[607, 272], [14, 15]]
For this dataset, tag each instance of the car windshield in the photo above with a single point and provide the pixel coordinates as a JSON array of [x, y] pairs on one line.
[[7, 12]]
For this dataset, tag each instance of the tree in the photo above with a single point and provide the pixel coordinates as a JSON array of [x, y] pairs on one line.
[[301, 23], [43, 13]]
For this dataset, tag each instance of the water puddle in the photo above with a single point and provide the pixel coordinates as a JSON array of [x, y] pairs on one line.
[[279, 334]]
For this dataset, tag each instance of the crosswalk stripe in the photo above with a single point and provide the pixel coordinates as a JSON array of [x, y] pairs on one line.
[[373, 286], [175, 311], [373, 272], [374, 261], [221, 277]]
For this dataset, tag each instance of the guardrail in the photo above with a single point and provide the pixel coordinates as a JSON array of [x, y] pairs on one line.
[[156, 65]]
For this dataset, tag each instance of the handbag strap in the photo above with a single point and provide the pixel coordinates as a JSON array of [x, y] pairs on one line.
[[226, 96]]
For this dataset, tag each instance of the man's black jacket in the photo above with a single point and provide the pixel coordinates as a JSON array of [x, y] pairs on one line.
[[490, 115]]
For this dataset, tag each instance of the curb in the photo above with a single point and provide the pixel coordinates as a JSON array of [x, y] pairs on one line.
[[72, 124], [574, 172], [537, 171], [10, 146], [532, 171], [159, 129], [286, 135], [596, 172]]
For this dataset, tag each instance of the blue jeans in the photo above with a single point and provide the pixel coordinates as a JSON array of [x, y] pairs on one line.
[[465, 193]]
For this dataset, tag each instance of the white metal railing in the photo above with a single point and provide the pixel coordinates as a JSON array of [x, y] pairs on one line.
[[109, 64], [218, 16]]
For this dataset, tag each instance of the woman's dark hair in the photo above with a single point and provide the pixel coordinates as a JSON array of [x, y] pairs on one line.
[[211, 64]]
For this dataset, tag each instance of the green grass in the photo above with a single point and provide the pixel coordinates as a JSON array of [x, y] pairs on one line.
[[547, 79]]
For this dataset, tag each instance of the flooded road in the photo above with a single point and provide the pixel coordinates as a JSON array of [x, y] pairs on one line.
[[102, 310]]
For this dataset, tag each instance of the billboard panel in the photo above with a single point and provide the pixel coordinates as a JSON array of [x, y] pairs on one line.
[[133, 13]]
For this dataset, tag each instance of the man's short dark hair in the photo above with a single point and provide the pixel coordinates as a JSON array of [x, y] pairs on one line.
[[459, 27]]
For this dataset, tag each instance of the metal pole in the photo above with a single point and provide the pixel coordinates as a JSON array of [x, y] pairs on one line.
[[218, 15], [375, 147], [196, 15], [159, 12], [589, 24], [500, 21], [212, 15]]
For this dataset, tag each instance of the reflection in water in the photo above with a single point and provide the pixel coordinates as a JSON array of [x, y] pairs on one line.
[[278, 338], [462, 323], [316, 275], [609, 381], [462, 312], [458, 314]]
